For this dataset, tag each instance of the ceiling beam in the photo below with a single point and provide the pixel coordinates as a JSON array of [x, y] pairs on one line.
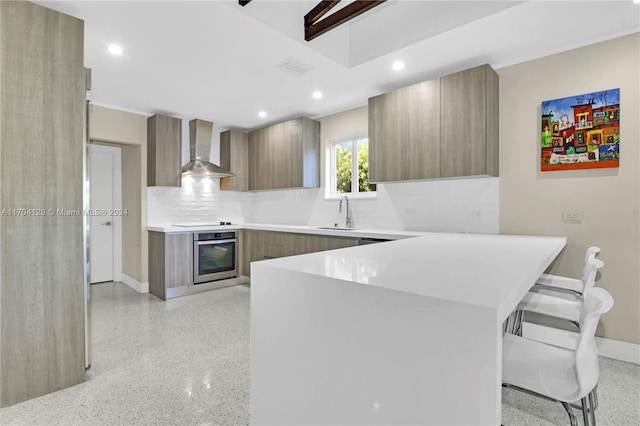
[[243, 3], [318, 12], [317, 28]]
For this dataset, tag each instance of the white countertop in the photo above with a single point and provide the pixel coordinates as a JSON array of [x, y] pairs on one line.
[[405, 332], [297, 229], [479, 269]]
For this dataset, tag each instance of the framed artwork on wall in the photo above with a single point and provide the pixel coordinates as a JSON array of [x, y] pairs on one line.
[[581, 132]]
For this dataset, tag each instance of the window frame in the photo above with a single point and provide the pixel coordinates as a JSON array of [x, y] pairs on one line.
[[332, 193]]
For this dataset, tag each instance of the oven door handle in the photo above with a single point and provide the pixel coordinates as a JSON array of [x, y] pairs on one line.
[[209, 242]]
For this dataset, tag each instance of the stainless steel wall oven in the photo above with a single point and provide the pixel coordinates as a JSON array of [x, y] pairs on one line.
[[215, 256]]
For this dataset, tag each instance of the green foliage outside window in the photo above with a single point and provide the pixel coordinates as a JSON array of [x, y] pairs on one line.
[[363, 168], [344, 167]]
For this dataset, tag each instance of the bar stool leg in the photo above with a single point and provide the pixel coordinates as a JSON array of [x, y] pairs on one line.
[[572, 416]]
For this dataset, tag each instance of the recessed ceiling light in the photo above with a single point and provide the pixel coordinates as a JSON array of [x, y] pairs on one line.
[[317, 94], [115, 49], [636, 1], [398, 65], [262, 114]]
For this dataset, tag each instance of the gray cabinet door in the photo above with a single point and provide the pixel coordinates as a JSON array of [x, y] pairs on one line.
[[285, 155], [164, 139], [420, 130], [265, 146], [261, 245], [404, 133], [259, 163], [170, 262], [469, 123], [385, 137], [277, 146], [250, 250], [290, 161], [234, 157], [445, 127]]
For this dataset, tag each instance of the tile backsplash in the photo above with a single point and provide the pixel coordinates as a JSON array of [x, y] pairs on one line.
[[453, 205]]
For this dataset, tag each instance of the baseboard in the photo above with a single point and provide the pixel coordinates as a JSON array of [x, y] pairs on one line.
[[609, 348], [616, 349], [135, 284]]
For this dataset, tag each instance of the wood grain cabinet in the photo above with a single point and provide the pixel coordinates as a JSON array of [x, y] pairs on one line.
[[469, 117], [234, 156], [164, 158], [262, 245], [296, 244], [42, 327], [445, 127], [404, 133], [249, 250], [285, 155], [170, 262]]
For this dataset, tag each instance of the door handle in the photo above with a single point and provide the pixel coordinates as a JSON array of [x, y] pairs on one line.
[[107, 223]]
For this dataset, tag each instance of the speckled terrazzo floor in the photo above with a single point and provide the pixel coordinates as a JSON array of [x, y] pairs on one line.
[[186, 362], [618, 399], [181, 362]]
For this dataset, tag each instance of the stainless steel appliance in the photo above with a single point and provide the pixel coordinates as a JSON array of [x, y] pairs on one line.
[[215, 256], [200, 133]]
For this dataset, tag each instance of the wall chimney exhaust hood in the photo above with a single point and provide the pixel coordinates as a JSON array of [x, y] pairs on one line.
[[200, 133]]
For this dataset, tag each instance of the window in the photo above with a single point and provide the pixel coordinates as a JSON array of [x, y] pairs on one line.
[[349, 172]]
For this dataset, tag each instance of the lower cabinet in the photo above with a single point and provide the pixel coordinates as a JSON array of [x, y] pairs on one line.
[[171, 255], [170, 262], [261, 245]]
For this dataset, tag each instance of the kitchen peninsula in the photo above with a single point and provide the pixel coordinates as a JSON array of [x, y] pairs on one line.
[[405, 332]]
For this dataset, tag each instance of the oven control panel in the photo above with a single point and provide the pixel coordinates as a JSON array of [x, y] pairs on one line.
[[212, 236]]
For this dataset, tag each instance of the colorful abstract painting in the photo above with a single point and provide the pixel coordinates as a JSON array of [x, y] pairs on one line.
[[581, 132]]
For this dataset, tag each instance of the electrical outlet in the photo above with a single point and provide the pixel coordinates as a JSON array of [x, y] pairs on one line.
[[474, 213], [572, 216]]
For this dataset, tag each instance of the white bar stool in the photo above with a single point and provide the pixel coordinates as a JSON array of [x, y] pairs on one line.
[[559, 374]]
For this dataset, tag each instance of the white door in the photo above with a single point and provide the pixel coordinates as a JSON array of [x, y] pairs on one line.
[[104, 199]]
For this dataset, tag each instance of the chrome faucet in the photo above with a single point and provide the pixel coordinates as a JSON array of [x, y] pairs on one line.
[[348, 216]]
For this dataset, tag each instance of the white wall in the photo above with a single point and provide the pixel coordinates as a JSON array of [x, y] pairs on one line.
[[199, 200], [462, 205], [532, 202], [130, 131]]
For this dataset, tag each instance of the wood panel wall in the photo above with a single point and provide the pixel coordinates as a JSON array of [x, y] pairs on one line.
[[41, 170]]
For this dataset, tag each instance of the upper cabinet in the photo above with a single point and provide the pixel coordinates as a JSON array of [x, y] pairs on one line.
[[404, 133], [164, 140], [469, 120], [285, 155], [446, 127], [234, 156]]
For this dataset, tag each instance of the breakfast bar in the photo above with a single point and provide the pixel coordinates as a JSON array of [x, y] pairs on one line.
[[402, 332]]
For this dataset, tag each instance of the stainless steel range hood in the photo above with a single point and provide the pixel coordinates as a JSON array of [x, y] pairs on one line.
[[200, 133]]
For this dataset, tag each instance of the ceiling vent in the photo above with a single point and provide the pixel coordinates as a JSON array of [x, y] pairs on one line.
[[294, 67]]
